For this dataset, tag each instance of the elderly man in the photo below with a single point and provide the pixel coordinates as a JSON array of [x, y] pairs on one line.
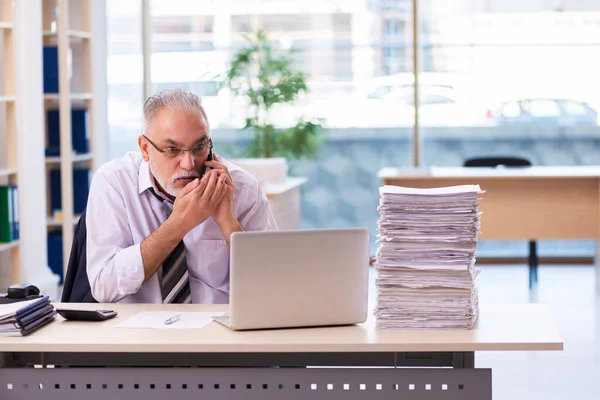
[[159, 221]]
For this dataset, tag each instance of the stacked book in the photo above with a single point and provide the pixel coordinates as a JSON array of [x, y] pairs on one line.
[[24, 317], [426, 257]]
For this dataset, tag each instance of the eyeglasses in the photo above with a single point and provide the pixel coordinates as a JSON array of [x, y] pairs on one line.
[[174, 152]]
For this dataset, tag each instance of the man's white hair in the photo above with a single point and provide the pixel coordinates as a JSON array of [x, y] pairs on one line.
[[173, 99]]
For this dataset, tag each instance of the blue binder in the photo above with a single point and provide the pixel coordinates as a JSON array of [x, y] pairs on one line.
[[79, 131], [81, 186], [15, 211], [55, 253], [50, 61]]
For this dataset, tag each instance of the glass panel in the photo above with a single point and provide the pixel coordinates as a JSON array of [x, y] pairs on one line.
[[357, 59], [125, 75], [523, 78]]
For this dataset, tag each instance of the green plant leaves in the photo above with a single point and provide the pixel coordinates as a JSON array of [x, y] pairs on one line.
[[266, 77]]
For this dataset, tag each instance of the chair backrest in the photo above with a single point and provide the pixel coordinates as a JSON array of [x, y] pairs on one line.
[[76, 287], [497, 161]]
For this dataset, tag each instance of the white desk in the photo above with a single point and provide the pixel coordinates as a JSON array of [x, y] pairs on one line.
[[227, 361], [284, 200], [531, 203]]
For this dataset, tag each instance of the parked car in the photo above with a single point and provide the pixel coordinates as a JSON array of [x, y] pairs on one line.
[[546, 111], [444, 100]]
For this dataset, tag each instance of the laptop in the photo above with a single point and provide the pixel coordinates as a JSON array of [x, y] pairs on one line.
[[299, 278]]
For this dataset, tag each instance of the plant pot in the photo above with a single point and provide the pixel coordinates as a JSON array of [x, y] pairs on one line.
[[271, 170]]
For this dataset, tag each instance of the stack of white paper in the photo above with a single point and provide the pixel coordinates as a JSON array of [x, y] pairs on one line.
[[425, 261]]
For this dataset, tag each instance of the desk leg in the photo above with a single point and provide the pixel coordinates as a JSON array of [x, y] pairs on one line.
[[464, 360]]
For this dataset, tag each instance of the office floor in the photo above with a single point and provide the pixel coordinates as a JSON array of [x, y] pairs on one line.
[[571, 374]]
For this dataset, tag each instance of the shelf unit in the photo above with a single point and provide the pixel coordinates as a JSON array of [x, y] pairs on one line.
[[78, 30], [9, 252], [72, 96], [8, 246], [57, 223], [71, 34], [25, 27], [67, 24], [4, 172]]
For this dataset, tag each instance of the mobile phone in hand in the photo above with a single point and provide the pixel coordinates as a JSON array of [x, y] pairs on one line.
[[209, 158]]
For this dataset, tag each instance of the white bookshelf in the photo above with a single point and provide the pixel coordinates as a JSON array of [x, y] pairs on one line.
[[25, 27], [9, 166], [8, 246], [78, 31], [74, 158], [57, 223], [71, 34], [7, 172], [72, 96]]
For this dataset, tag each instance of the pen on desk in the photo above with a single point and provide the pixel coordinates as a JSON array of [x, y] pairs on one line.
[[172, 319]]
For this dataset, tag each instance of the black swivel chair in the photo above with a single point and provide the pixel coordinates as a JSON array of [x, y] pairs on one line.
[[76, 287], [511, 162]]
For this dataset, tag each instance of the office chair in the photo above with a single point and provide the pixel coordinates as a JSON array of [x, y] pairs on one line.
[[511, 162], [497, 161], [76, 287]]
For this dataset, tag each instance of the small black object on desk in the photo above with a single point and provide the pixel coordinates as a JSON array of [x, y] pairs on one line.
[[20, 292], [86, 315]]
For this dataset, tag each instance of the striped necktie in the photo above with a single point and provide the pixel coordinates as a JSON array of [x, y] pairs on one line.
[[175, 284]]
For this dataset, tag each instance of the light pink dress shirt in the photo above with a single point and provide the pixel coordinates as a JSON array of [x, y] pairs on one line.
[[122, 212]]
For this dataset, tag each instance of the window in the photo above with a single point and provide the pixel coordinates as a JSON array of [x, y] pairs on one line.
[[522, 74], [125, 75], [489, 70]]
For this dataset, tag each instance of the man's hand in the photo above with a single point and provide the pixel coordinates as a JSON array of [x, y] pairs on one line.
[[197, 201], [223, 212], [194, 204]]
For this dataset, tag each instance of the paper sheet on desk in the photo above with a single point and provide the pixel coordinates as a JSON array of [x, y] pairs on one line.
[[426, 257], [156, 320]]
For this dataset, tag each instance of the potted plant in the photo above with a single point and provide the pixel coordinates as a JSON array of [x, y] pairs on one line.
[[265, 78]]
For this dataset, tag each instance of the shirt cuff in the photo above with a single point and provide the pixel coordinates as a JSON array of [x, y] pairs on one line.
[[130, 273]]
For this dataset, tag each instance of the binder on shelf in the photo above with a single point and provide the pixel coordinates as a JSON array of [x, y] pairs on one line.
[[55, 253], [81, 187], [15, 211], [9, 219], [50, 61], [79, 131]]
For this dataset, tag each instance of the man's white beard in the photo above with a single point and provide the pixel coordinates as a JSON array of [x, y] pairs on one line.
[[169, 185]]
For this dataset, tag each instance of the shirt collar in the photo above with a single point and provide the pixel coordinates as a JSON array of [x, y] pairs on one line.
[[147, 182]]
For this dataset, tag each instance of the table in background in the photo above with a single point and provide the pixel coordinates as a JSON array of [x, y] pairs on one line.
[[229, 364], [532, 203], [284, 200]]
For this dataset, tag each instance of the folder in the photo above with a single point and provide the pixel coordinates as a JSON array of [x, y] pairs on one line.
[[21, 319], [50, 66], [32, 326], [79, 131], [15, 212], [7, 214], [55, 254], [81, 186], [12, 311]]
